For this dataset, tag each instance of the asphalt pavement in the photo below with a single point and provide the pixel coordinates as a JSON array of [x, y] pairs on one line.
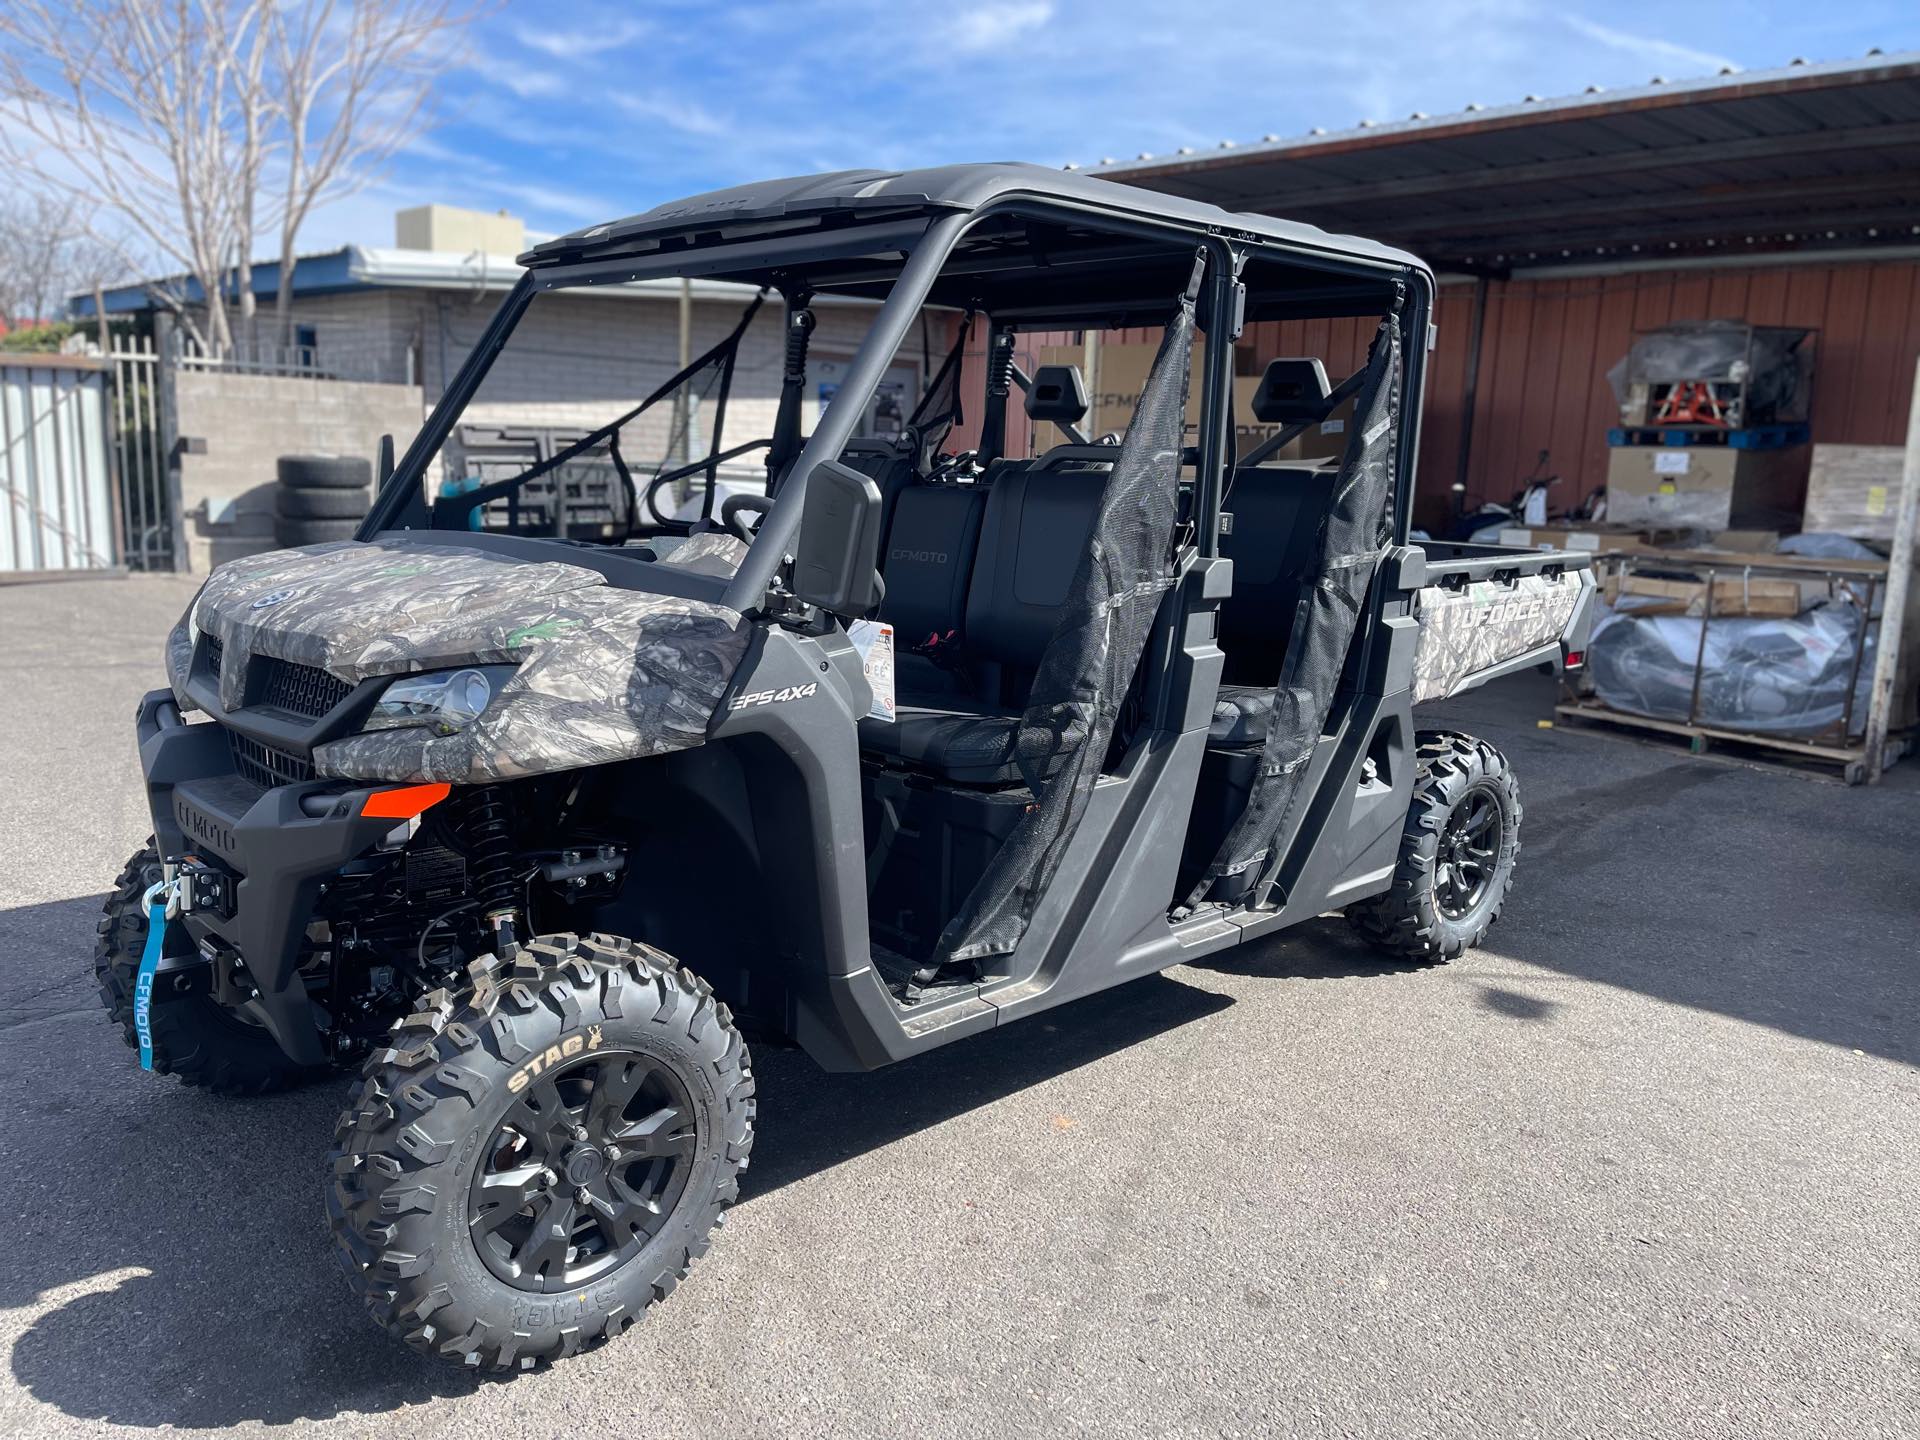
[[1643, 1165]]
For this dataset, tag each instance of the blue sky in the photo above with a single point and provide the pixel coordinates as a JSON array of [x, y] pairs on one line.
[[571, 114]]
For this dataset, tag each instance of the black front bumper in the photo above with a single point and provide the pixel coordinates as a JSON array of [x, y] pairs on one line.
[[280, 845]]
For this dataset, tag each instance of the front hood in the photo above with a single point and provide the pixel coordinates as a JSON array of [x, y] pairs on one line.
[[605, 673]]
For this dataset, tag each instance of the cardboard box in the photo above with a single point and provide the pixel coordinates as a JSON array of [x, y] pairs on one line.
[[1854, 490], [1748, 542], [1732, 595], [1702, 487], [1594, 539]]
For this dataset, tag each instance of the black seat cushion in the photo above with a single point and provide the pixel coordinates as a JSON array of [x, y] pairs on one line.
[[965, 743], [1278, 512], [928, 561], [1240, 715]]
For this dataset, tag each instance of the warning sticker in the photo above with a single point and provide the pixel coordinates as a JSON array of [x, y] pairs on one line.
[[874, 640]]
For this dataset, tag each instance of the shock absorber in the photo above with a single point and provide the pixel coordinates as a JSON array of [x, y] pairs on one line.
[[489, 836]]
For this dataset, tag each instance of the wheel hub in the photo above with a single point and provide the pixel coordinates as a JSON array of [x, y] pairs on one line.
[[582, 1171], [585, 1164], [1468, 853]]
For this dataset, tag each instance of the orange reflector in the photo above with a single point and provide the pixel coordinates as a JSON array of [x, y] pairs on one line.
[[404, 803]]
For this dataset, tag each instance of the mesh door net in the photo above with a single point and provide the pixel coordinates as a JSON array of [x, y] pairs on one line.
[[1088, 665], [1352, 540]]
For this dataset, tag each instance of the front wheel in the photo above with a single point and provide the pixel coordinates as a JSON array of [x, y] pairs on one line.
[[534, 1161], [1457, 853]]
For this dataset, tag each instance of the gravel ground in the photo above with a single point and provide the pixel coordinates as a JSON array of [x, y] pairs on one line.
[[1644, 1165]]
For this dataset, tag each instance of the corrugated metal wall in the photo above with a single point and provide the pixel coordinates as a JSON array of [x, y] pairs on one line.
[[56, 483], [1549, 343]]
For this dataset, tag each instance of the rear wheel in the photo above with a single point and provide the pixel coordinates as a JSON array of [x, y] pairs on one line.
[[536, 1160], [194, 1036], [1457, 853]]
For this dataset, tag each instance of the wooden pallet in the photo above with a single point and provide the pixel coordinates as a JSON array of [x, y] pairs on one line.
[[1779, 752]]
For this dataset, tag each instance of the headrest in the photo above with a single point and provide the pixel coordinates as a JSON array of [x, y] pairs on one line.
[[1293, 392], [1058, 394]]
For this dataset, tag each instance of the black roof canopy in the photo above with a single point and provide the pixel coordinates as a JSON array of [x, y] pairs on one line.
[[1049, 259]]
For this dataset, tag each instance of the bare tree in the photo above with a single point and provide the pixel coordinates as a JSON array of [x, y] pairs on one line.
[[352, 89], [46, 255], [194, 125]]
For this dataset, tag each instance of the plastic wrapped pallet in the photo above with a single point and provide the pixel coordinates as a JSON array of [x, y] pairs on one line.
[[1771, 675]]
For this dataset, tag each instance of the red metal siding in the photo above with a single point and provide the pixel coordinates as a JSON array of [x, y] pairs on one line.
[[1549, 343]]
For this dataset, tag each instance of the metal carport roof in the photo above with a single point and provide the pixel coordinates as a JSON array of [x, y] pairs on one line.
[[1806, 157]]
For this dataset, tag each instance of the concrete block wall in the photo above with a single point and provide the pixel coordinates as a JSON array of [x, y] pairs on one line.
[[245, 423], [578, 360]]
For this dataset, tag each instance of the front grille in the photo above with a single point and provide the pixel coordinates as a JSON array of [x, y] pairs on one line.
[[300, 689], [214, 649], [265, 766]]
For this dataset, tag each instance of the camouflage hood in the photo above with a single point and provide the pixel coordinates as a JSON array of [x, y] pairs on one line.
[[604, 673]]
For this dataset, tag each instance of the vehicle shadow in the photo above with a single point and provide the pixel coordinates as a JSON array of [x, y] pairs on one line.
[[172, 1265]]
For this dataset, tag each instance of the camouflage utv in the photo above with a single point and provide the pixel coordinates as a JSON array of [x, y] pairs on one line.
[[995, 690]]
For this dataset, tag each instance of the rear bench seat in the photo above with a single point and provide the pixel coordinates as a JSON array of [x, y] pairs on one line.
[[990, 565], [1012, 544], [1277, 515]]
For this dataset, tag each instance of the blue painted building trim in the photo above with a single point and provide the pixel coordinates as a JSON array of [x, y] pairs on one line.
[[330, 273]]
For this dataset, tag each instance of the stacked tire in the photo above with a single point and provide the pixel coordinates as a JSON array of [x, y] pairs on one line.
[[320, 498]]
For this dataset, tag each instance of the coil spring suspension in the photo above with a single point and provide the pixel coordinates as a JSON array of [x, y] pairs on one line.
[[489, 836]]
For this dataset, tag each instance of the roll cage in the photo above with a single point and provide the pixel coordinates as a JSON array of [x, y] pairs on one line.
[[1030, 248]]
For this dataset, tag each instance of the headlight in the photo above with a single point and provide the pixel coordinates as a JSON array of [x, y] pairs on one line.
[[448, 700], [193, 614]]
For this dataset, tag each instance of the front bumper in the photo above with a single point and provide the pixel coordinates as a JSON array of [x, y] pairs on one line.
[[279, 844]]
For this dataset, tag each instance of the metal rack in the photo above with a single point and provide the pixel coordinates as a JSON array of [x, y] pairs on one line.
[[1835, 745]]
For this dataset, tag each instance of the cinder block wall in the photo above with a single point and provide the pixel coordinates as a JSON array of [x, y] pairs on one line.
[[245, 423]]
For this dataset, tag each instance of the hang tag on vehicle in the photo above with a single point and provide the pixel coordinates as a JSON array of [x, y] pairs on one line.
[[874, 640]]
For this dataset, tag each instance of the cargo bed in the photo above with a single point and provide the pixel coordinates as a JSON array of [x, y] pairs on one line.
[[1489, 610]]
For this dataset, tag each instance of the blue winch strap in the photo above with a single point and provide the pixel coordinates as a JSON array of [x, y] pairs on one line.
[[143, 977]]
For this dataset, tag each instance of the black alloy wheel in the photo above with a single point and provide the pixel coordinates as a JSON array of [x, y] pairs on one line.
[[1469, 849], [582, 1172]]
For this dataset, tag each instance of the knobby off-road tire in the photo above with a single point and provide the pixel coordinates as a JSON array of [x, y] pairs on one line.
[[1456, 855], [289, 533], [324, 472], [291, 504], [517, 1087], [194, 1037]]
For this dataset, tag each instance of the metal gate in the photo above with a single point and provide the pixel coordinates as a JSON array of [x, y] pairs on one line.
[[148, 518], [56, 480]]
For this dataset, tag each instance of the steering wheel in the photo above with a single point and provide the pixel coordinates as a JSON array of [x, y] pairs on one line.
[[734, 506]]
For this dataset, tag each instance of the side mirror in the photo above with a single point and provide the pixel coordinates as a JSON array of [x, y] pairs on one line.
[[386, 460], [839, 542]]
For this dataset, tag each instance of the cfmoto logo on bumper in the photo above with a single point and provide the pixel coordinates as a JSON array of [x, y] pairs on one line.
[[203, 828]]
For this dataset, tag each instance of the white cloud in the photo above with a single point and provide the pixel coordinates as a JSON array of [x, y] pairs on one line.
[[579, 44], [687, 116], [988, 26], [1654, 51]]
